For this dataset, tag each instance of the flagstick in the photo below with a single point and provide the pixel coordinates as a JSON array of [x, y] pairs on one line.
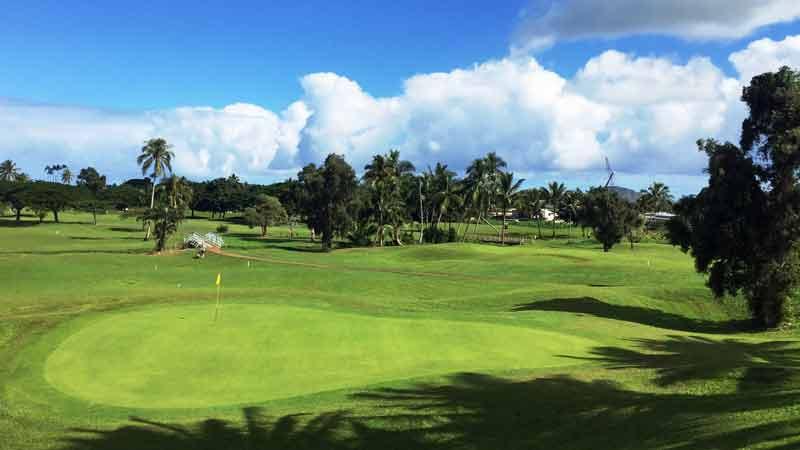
[[216, 309]]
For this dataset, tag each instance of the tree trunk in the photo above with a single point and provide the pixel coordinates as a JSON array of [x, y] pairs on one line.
[[19, 214], [503, 229], [396, 233], [55, 215], [263, 231], [152, 203], [94, 214]]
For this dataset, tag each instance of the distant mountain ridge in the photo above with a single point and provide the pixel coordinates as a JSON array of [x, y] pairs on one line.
[[626, 194]]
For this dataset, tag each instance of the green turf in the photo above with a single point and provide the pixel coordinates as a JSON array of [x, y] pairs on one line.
[[258, 352], [552, 344]]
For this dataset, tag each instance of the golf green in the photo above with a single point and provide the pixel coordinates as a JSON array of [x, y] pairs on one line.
[[177, 357]]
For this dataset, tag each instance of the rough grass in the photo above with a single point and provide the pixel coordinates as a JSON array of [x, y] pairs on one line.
[[548, 345]]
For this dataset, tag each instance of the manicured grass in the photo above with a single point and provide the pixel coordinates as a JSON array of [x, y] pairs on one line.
[[552, 344], [258, 352]]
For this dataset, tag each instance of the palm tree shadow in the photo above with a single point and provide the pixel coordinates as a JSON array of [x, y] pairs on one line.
[[636, 314], [681, 359], [481, 411], [257, 433]]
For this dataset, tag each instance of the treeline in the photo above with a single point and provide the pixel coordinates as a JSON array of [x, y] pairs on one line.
[[376, 209]]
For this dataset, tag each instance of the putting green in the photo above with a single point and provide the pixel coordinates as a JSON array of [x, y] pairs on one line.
[[175, 357]]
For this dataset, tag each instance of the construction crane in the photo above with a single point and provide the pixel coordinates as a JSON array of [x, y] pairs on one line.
[[610, 180]]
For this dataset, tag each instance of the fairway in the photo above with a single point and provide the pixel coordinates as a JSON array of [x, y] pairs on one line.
[[177, 357], [551, 344]]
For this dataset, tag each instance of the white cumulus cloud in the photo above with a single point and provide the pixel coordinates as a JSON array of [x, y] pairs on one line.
[[644, 113], [766, 55]]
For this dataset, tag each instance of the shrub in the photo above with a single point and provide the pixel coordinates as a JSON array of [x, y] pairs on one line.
[[452, 235], [434, 236], [222, 228]]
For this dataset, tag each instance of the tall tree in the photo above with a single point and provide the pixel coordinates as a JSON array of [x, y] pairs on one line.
[[9, 171], [95, 184], [53, 170], [166, 221], [155, 155], [448, 196], [383, 176], [531, 202], [14, 194], [656, 198], [555, 195], [268, 211], [743, 228], [481, 184], [507, 191], [608, 215], [327, 193], [45, 196], [179, 191], [66, 175]]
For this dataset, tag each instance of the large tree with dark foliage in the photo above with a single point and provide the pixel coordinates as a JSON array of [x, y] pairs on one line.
[[743, 228], [46, 196], [13, 194], [268, 211], [609, 216], [327, 193], [94, 183]]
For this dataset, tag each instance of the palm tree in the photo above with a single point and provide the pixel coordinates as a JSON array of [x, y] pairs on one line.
[[9, 171], [383, 176], [179, 191], [481, 183], [555, 194], [156, 154], [656, 198], [448, 192], [52, 170], [66, 175], [531, 202], [166, 223], [508, 189], [569, 207]]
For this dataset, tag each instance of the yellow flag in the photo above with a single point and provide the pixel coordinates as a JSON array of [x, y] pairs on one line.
[[219, 279]]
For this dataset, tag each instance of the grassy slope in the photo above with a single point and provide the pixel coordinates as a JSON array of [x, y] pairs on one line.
[[648, 378]]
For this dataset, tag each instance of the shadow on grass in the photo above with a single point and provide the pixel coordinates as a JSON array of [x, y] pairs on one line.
[[127, 229], [257, 432], [485, 412], [637, 314], [679, 359], [79, 252], [303, 245], [12, 223], [478, 411], [481, 411]]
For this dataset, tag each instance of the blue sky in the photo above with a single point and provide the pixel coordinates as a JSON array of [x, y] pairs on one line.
[[260, 88], [144, 55]]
